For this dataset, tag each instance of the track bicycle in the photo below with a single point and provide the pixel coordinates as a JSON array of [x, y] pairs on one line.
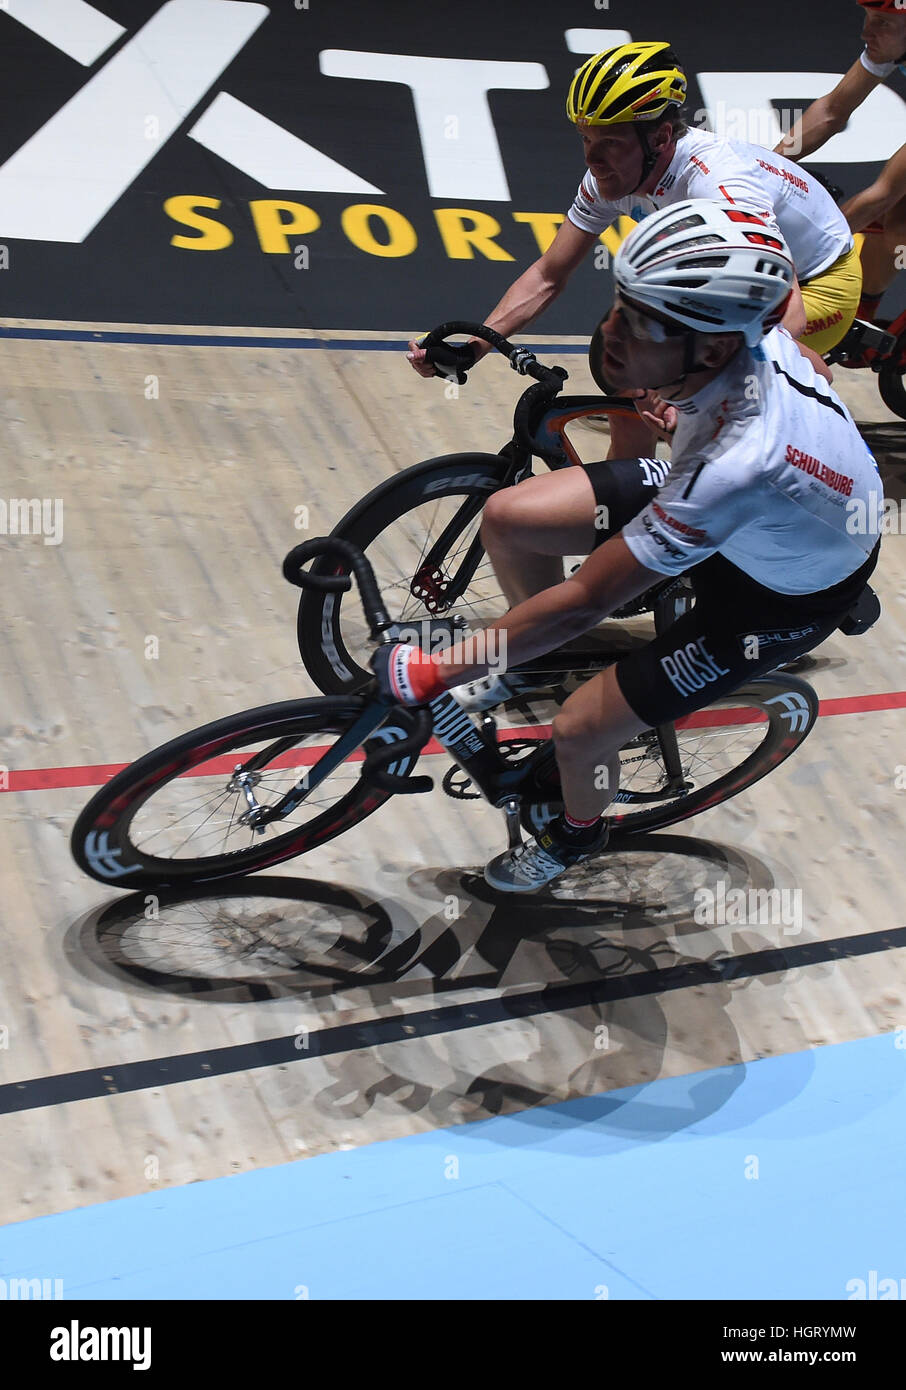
[[257, 788]]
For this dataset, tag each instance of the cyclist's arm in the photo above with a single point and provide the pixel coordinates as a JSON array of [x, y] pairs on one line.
[[538, 286], [610, 577], [828, 115], [794, 319], [888, 188]]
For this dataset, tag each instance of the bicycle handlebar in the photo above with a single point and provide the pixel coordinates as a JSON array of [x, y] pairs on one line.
[[376, 614], [521, 359], [378, 622], [549, 380], [378, 759]]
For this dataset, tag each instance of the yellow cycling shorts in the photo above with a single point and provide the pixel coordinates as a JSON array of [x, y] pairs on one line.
[[831, 300]]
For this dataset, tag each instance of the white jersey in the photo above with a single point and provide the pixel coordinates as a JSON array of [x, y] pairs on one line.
[[705, 166], [880, 69], [769, 469]]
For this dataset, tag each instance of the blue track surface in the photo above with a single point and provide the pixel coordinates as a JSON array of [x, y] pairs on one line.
[[636, 1193]]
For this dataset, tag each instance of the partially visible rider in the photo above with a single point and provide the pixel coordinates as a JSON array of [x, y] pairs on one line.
[[771, 503], [879, 211], [627, 103]]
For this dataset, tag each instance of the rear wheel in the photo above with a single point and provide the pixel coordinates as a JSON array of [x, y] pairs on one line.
[[723, 750]]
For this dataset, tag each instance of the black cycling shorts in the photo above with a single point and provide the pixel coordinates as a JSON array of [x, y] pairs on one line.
[[736, 629]]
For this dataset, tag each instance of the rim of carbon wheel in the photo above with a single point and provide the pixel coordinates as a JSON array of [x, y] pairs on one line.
[[175, 815], [785, 706]]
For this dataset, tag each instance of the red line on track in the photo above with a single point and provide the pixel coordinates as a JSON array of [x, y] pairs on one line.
[[95, 775]]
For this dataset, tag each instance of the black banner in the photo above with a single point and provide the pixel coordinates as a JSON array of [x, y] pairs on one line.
[[352, 165]]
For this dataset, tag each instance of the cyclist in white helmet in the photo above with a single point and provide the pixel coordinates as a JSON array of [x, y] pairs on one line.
[[627, 104], [771, 503]]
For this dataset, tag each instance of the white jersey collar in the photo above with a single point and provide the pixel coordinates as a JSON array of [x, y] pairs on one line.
[[675, 167], [725, 393], [680, 155]]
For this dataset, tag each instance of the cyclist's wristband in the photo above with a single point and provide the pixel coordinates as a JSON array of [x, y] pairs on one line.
[[414, 676]]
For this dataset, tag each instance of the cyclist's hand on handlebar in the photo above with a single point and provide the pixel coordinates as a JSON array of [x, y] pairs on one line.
[[416, 356], [449, 360], [407, 674], [657, 413]]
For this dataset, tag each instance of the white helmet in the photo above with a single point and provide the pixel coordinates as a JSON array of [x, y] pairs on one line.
[[712, 266]]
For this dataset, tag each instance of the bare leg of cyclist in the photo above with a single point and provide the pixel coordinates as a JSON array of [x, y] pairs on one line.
[[630, 438], [589, 731], [880, 250], [528, 529]]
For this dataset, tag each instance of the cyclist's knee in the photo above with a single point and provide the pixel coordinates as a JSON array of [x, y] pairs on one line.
[[508, 517], [581, 730], [571, 730]]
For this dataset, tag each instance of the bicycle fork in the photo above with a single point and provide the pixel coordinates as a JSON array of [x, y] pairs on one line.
[[244, 777]]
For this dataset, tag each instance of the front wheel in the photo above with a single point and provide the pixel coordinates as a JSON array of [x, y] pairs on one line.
[[180, 814]]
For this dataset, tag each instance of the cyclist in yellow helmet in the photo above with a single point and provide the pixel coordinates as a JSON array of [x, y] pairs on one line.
[[641, 155], [879, 211], [632, 85]]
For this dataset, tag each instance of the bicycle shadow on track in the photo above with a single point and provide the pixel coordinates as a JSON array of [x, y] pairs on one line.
[[579, 991], [260, 937]]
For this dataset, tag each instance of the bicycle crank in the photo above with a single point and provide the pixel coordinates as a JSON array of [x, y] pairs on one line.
[[457, 783]]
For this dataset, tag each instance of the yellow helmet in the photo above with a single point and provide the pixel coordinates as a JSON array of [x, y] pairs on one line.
[[633, 82]]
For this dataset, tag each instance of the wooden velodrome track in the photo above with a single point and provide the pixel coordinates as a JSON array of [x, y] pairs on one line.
[[177, 511]]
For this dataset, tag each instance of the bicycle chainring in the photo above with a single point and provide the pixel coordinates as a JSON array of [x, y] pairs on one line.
[[457, 783]]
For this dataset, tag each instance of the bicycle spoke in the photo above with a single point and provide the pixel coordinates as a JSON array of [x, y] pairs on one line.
[[180, 821], [705, 754], [398, 555]]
